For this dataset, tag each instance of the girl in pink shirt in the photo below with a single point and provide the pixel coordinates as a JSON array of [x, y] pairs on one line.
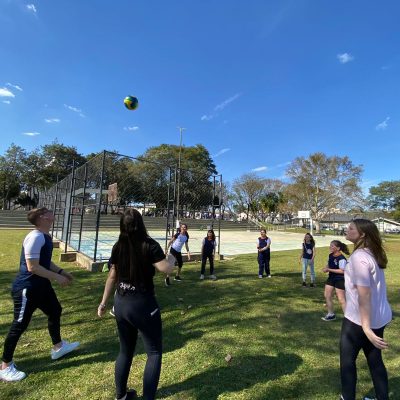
[[367, 310]]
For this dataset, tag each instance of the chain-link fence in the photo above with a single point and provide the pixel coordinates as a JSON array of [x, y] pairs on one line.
[[88, 202]]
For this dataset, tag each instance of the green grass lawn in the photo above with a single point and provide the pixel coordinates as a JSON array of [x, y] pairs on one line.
[[272, 328]]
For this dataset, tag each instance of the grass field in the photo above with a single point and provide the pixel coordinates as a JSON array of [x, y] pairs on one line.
[[272, 328]]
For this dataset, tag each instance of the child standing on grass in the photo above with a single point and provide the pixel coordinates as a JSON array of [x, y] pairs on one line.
[[176, 243], [335, 282], [207, 251], [307, 259], [32, 290], [264, 254]]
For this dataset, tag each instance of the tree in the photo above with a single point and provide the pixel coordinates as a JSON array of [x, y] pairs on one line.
[[385, 196], [247, 191], [12, 166], [323, 184], [196, 169], [271, 202], [57, 161]]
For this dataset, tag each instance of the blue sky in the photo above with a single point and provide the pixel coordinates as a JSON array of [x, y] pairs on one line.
[[257, 82]]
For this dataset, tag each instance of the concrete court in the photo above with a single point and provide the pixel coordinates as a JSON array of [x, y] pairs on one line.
[[232, 242]]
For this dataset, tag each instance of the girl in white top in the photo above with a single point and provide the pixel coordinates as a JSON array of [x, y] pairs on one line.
[[367, 309]]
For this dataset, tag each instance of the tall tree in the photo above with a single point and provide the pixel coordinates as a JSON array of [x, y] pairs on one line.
[[323, 184], [386, 196], [12, 166], [247, 191], [196, 168], [57, 160]]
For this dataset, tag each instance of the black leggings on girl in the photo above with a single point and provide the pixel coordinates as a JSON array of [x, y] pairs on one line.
[[352, 340], [135, 311]]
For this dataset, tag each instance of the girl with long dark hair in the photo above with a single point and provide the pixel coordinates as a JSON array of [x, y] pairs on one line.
[[133, 261], [367, 309]]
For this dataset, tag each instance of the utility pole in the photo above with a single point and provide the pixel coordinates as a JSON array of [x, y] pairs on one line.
[[179, 174]]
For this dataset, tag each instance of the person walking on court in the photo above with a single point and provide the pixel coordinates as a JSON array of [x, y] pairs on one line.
[[176, 243], [32, 290], [367, 310], [134, 258], [335, 282], [307, 257], [264, 254], [207, 251]]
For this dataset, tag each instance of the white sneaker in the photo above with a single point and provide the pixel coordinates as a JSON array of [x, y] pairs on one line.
[[11, 374], [213, 277], [269, 276], [65, 348], [260, 276], [201, 277]]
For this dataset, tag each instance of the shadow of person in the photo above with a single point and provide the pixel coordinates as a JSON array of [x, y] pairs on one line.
[[241, 373]]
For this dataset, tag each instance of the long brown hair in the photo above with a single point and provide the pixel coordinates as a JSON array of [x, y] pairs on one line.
[[342, 246], [371, 240]]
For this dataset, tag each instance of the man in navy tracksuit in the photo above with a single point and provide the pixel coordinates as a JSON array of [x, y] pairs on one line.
[[32, 289]]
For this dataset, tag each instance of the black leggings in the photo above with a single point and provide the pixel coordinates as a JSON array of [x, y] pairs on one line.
[[352, 340], [178, 257], [204, 257], [26, 301], [135, 311]]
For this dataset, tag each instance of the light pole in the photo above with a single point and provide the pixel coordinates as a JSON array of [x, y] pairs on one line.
[[179, 174]]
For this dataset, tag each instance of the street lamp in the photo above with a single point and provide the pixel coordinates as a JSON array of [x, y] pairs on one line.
[[179, 173]]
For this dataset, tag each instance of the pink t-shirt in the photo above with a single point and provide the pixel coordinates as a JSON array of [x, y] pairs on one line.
[[362, 270]]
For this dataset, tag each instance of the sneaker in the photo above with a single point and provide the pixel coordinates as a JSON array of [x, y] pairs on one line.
[[260, 276], [269, 276], [11, 374], [312, 284], [112, 312], [167, 282], [201, 277], [329, 317], [65, 348], [304, 284], [369, 398], [213, 277], [130, 395], [178, 278]]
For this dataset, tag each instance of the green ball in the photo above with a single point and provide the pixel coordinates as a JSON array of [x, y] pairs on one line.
[[131, 102]]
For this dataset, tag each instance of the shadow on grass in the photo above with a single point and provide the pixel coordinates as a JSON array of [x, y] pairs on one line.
[[239, 374], [394, 389]]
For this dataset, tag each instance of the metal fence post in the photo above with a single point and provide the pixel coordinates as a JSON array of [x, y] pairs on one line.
[[99, 207]]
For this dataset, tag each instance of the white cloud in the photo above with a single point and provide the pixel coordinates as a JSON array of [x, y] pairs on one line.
[[131, 128], [221, 106], [6, 101], [14, 86], [30, 133], [4, 92], [52, 120], [259, 169], [223, 151], [75, 109], [31, 7], [383, 125], [345, 58]]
